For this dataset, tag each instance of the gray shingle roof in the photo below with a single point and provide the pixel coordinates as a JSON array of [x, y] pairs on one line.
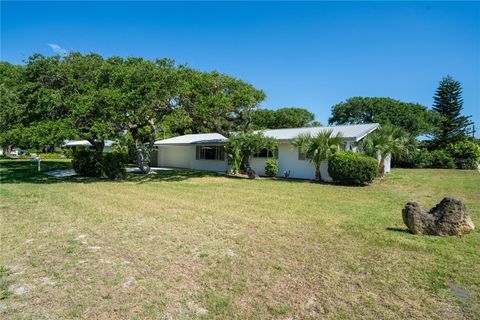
[[201, 138], [348, 132], [85, 143]]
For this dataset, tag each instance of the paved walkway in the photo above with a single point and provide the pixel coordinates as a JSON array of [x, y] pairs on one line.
[[128, 170], [61, 173], [71, 172]]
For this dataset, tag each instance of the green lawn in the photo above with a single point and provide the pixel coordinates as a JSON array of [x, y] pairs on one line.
[[181, 245]]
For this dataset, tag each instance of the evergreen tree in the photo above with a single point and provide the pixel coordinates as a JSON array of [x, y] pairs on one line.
[[448, 102]]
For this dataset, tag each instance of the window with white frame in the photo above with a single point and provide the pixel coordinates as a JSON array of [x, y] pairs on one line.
[[265, 153], [210, 153]]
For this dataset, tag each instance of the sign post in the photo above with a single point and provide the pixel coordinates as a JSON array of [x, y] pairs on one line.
[[36, 159]]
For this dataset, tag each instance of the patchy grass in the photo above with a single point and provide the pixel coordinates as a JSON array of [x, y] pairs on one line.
[[184, 244]]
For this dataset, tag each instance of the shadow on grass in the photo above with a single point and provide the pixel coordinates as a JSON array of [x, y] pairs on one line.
[[401, 230], [170, 175], [25, 171]]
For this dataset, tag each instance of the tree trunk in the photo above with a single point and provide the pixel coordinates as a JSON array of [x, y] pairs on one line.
[[142, 159], [7, 150], [98, 145], [142, 149], [381, 167], [247, 169], [318, 175]]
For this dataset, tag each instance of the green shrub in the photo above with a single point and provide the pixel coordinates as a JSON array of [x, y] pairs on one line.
[[67, 153], [113, 164], [87, 162], [90, 163], [271, 167], [441, 159], [30, 151], [352, 168], [465, 154], [419, 158], [50, 156]]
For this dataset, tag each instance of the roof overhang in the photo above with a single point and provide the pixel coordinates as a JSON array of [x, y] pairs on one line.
[[76, 143], [350, 133], [85, 143], [366, 133]]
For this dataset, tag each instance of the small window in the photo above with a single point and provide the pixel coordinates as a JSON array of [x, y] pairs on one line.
[[210, 153], [267, 154], [301, 155]]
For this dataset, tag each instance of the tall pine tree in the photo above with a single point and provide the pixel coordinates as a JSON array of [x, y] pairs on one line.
[[449, 103]]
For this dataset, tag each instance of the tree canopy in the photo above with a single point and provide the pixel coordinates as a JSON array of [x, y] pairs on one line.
[[50, 99], [412, 117], [217, 102], [282, 118]]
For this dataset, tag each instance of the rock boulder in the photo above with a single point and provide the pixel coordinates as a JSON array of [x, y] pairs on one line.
[[448, 218]]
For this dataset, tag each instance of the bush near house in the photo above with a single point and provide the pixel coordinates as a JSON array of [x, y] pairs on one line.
[[90, 163], [113, 164], [352, 168], [86, 163], [271, 167]]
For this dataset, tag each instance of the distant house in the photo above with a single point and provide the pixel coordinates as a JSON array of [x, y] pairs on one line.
[[87, 144], [207, 151]]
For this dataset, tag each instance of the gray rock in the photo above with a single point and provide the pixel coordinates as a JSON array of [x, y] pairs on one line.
[[449, 218]]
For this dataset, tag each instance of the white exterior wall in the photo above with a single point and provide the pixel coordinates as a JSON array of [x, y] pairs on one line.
[[176, 156], [388, 161], [209, 165], [258, 164], [300, 169], [185, 157]]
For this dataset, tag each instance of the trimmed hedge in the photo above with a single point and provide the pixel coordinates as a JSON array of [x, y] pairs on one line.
[[271, 167], [352, 168], [113, 165], [86, 163], [90, 163], [51, 156]]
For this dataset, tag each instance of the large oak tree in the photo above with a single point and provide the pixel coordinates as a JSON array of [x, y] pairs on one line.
[[412, 117]]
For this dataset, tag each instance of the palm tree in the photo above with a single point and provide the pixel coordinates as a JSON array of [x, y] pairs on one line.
[[317, 148], [387, 140]]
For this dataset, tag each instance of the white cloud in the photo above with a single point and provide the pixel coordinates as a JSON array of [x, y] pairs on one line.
[[57, 49]]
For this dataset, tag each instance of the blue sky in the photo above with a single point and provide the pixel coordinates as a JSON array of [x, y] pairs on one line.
[[310, 55]]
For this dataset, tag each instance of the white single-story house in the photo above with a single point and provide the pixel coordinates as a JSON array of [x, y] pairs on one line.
[[206, 151]]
